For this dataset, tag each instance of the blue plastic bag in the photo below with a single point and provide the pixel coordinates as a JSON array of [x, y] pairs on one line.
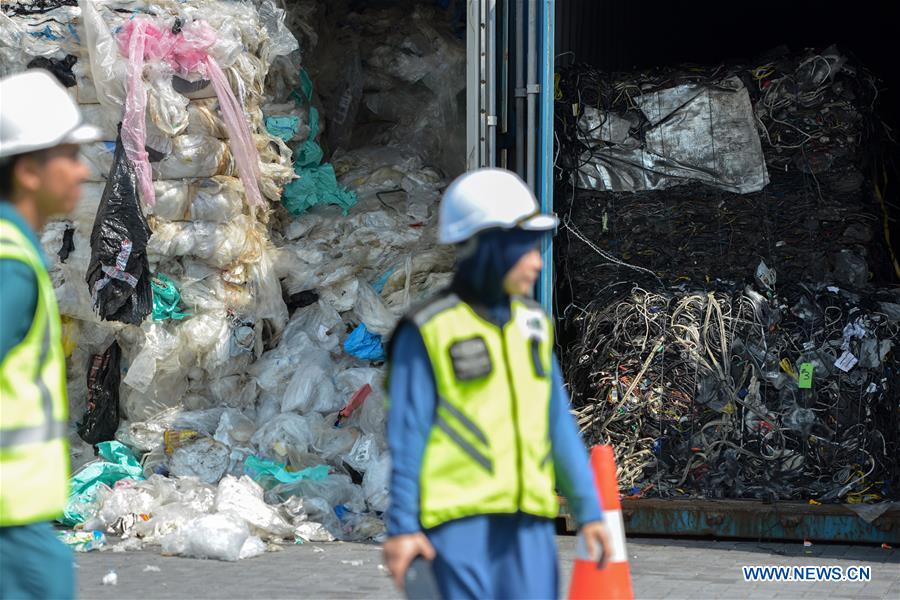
[[364, 344]]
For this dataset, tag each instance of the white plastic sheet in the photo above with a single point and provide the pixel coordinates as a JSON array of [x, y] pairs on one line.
[[218, 536], [190, 157], [244, 497], [693, 132]]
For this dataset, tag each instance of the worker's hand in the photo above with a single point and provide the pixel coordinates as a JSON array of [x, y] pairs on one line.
[[400, 550], [596, 539]]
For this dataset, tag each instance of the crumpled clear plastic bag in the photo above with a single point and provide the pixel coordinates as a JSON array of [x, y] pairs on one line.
[[190, 157], [159, 345], [219, 536], [167, 109], [194, 156], [335, 490], [313, 532], [218, 244], [357, 527], [235, 428], [179, 502], [203, 335], [371, 416], [331, 442], [371, 310], [253, 547], [244, 497], [376, 481], [276, 368], [269, 301], [107, 68], [282, 41], [365, 449], [205, 459], [321, 323], [284, 432], [342, 294], [311, 388], [126, 499], [166, 520]]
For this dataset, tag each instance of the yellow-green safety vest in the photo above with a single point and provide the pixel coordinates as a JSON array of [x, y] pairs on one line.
[[34, 452], [489, 450]]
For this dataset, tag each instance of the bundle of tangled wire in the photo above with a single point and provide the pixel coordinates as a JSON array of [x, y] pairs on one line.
[[700, 392], [700, 233], [814, 110]]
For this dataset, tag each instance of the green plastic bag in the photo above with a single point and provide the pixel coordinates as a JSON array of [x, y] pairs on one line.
[[166, 298], [283, 127], [118, 463], [263, 469], [316, 183]]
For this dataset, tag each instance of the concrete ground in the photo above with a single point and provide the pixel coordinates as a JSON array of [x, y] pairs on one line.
[[661, 568]]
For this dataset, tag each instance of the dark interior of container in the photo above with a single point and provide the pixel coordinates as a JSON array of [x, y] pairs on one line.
[[624, 37], [627, 37], [633, 35]]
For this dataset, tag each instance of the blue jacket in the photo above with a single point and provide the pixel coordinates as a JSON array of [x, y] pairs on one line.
[[19, 298]]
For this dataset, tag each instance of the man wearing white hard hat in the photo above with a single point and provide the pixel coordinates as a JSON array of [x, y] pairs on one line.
[[479, 426], [40, 176]]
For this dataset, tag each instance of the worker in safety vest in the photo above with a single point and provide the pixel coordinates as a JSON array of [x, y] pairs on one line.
[[479, 427], [40, 176]]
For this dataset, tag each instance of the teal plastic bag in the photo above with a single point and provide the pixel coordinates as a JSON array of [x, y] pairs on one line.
[[166, 298], [309, 154], [283, 127], [118, 463], [263, 469], [316, 183]]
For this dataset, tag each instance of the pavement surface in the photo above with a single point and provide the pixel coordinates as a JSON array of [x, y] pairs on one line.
[[661, 568]]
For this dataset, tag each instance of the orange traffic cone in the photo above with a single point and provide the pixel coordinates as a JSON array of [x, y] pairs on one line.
[[613, 582]]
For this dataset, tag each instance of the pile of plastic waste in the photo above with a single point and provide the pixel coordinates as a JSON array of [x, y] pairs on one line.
[[225, 289], [393, 74]]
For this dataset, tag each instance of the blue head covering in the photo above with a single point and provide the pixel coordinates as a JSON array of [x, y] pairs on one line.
[[480, 274]]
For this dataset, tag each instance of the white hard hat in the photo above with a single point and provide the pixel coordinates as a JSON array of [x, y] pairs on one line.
[[487, 199], [37, 113]]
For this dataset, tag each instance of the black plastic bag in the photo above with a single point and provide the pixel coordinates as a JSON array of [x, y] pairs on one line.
[[59, 68], [300, 300], [118, 275], [101, 419], [68, 244], [37, 6]]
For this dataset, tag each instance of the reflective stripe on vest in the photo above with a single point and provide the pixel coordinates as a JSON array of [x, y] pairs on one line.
[[51, 428], [34, 462], [488, 451]]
